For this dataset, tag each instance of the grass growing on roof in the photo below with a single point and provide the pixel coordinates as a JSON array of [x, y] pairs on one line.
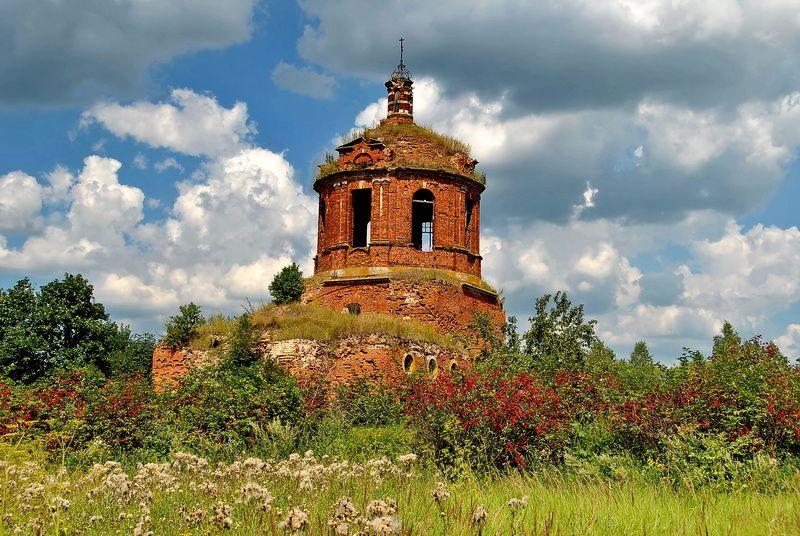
[[298, 321], [391, 133]]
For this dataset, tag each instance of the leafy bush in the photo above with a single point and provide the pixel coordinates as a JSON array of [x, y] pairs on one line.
[[242, 345], [484, 420], [225, 409], [287, 285], [182, 328]]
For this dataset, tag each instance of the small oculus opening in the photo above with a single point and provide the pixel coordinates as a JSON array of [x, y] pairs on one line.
[[408, 363]]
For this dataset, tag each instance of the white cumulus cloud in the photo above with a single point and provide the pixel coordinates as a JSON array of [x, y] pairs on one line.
[[189, 123]]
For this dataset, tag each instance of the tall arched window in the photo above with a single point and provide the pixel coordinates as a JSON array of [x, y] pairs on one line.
[[422, 220]]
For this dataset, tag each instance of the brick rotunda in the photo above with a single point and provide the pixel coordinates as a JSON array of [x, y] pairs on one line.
[[399, 224]]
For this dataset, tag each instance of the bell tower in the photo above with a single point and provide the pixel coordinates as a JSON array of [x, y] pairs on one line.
[[399, 223], [401, 99]]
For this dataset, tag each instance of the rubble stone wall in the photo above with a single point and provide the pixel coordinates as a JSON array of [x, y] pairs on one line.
[[374, 358]]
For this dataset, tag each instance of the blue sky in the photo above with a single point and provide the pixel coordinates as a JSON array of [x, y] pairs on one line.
[[641, 155]]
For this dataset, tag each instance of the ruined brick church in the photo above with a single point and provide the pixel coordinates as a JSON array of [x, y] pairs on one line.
[[399, 224], [398, 234]]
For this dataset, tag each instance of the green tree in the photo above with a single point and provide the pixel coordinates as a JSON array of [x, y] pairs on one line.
[[22, 356], [75, 328], [287, 286], [727, 339], [182, 328], [60, 327], [640, 356], [601, 358], [559, 337]]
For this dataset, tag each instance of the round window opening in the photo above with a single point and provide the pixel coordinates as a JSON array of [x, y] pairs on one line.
[[408, 363], [432, 365]]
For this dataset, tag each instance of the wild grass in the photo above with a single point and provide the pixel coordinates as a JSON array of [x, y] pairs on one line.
[[298, 321], [391, 134], [189, 495]]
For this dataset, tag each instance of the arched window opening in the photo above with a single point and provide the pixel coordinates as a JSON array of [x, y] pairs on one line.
[[322, 215], [353, 308], [453, 366], [422, 220], [408, 364], [362, 213], [432, 365]]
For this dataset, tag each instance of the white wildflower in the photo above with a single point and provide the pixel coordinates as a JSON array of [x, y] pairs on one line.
[[440, 493], [295, 521]]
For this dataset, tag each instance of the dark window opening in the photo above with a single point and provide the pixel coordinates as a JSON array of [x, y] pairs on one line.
[[362, 212], [353, 308], [422, 220], [432, 365], [470, 205], [408, 363], [322, 214]]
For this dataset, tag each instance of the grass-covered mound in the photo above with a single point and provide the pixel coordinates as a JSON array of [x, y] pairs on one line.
[[298, 321]]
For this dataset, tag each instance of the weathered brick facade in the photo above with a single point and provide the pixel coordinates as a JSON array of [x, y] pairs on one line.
[[449, 304], [400, 201], [398, 234], [373, 357]]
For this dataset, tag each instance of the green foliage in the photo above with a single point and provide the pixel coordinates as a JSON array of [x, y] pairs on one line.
[[222, 410], [287, 286], [131, 353], [242, 345], [727, 339], [59, 328], [640, 356], [21, 345], [559, 337], [364, 404], [331, 165], [182, 328]]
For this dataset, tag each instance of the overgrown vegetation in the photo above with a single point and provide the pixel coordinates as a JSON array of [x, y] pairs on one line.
[[299, 321], [390, 134], [182, 328], [705, 435]]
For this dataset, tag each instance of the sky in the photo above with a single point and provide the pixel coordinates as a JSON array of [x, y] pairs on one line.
[[640, 154]]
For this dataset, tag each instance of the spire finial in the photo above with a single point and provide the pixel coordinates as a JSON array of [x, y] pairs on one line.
[[401, 72]]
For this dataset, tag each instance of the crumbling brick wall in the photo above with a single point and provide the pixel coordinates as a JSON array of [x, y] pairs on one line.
[[374, 358], [448, 306]]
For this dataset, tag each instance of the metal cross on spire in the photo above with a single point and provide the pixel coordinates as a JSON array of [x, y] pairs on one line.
[[401, 72]]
